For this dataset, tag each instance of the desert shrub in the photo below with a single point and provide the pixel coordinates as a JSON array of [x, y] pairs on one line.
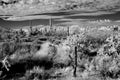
[[107, 60], [106, 66], [47, 50], [35, 72], [73, 40], [9, 48], [39, 73], [75, 29], [62, 55]]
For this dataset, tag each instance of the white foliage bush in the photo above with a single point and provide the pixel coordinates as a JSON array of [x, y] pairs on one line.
[[63, 52]]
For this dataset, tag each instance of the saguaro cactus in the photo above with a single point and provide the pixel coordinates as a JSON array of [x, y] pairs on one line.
[[75, 65]]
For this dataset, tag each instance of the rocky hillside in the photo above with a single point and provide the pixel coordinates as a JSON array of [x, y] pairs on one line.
[[26, 7]]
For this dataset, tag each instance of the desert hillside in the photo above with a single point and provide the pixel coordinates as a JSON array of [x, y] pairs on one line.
[[27, 7]]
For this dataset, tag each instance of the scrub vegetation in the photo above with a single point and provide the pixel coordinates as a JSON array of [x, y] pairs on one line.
[[49, 55]]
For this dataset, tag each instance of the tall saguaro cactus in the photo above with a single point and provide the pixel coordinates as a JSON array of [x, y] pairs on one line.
[[51, 25], [30, 25], [75, 65], [68, 30]]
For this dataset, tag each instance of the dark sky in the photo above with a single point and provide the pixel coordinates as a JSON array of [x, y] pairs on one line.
[[16, 24]]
